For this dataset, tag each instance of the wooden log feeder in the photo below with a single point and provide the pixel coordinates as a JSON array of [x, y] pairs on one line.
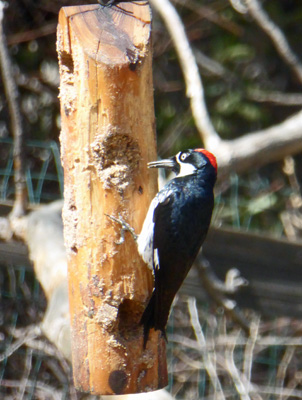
[[107, 138]]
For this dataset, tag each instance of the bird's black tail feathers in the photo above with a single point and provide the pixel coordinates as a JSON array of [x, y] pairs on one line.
[[149, 319]]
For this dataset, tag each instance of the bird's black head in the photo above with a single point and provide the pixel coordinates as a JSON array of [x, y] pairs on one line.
[[189, 162]]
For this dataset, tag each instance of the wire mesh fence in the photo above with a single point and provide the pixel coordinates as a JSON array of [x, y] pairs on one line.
[[209, 357], [212, 359], [44, 173], [30, 366]]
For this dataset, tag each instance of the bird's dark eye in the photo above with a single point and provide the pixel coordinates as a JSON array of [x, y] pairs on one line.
[[183, 156]]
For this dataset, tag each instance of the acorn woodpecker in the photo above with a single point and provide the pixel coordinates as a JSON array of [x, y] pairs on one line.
[[174, 229]]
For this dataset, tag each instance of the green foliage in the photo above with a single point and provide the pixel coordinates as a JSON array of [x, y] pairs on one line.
[[245, 54], [234, 53]]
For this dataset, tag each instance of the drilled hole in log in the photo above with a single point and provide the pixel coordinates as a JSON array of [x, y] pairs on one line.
[[116, 157], [128, 318], [67, 61], [74, 249], [118, 381], [67, 92]]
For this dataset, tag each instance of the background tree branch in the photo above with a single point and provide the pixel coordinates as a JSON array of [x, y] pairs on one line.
[[194, 86], [12, 97], [276, 35], [251, 150]]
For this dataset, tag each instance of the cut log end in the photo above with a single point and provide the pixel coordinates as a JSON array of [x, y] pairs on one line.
[[111, 35]]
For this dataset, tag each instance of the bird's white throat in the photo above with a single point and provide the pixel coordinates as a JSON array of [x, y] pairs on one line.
[[186, 169]]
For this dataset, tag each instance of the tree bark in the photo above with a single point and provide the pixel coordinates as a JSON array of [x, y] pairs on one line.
[[107, 139]]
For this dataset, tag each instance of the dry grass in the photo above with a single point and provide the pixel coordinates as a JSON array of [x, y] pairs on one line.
[[209, 357]]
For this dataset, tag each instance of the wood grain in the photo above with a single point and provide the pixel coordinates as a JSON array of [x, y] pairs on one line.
[[107, 139]]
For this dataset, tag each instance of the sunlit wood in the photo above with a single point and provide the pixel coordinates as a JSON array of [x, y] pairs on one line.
[[108, 136]]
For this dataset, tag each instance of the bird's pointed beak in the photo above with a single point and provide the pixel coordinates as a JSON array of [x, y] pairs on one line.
[[169, 163]]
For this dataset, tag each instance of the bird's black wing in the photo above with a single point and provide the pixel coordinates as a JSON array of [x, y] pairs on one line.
[[152, 317], [164, 251]]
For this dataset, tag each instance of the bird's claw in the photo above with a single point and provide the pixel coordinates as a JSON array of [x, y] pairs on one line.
[[125, 227]]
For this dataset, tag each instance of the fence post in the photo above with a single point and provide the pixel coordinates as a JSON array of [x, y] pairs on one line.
[[107, 138]]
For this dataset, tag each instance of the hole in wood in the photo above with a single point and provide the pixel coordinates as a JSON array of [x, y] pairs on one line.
[[67, 61], [74, 249], [129, 314], [116, 158], [118, 381]]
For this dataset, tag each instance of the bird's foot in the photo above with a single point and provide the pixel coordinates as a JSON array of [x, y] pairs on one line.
[[125, 227]]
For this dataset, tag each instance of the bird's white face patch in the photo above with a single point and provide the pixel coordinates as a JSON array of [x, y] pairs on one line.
[[185, 168]]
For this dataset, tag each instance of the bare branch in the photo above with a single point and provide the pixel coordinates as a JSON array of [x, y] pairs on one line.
[[31, 333], [249, 151], [261, 147], [25, 378], [189, 67], [211, 66], [32, 34], [12, 95], [239, 6], [239, 384], [209, 366], [212, 14], [45, 391], [289, 393], [283, 367], [217, 291], [276, 35], [249, 350], [292, 217], [275, 97]]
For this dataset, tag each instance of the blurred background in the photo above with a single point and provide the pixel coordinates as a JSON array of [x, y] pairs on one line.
[[248, 87]]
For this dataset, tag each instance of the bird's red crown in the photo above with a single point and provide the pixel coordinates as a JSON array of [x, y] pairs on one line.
[[210, 156]]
